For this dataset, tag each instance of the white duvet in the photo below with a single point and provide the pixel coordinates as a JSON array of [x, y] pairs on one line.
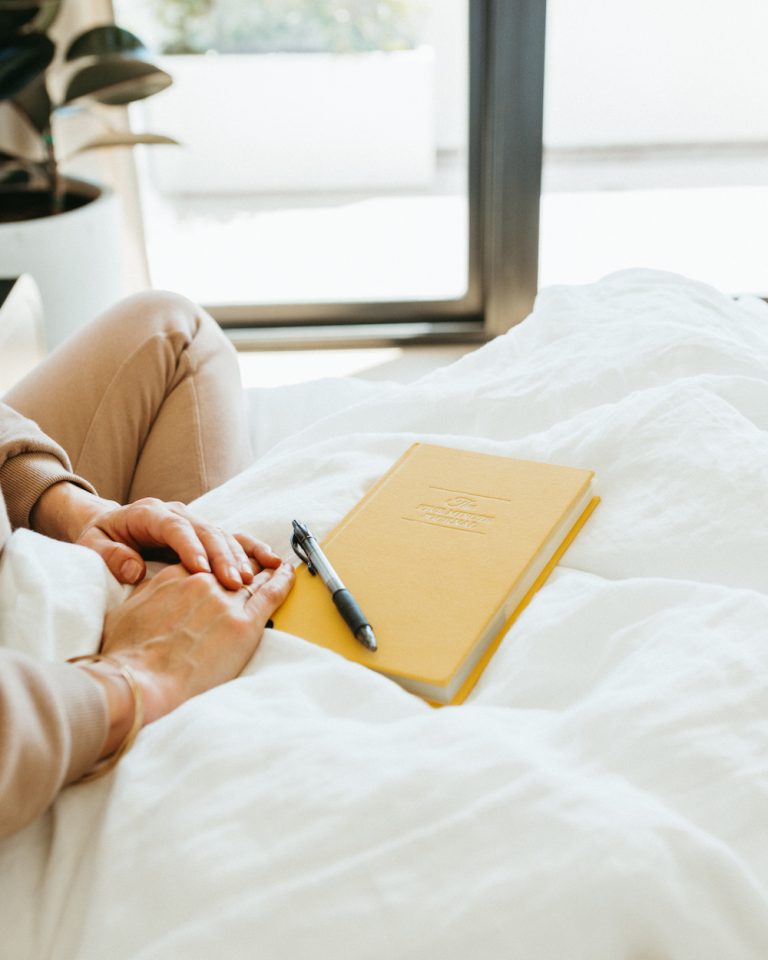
[[604, 791]]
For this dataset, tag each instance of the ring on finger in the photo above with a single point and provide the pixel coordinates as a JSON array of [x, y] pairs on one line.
[[251, 593]]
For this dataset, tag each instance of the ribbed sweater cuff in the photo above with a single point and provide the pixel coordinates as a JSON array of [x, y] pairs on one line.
[[85, 709], [25, 478]]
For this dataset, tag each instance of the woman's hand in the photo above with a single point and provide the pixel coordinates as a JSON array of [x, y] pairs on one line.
[[182, 634], [119, 534]]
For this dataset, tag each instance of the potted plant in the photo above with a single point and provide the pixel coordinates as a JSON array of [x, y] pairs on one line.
[[52, 226]]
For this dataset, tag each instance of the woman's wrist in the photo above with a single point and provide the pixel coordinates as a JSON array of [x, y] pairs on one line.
[[64, 509], [121, 705]]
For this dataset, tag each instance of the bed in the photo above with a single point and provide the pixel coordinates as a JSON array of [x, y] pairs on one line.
[[604, 791]]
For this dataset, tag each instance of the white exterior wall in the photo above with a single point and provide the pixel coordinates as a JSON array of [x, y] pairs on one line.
[[660, 71], [621, 72]]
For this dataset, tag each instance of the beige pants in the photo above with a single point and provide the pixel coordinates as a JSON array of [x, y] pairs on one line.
[[146, 400]]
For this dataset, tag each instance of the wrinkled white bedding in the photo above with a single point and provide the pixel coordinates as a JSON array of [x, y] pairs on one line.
[[603, 793]]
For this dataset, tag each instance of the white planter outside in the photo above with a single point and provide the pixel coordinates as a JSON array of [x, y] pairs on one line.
[[295, 122], [73, 257]]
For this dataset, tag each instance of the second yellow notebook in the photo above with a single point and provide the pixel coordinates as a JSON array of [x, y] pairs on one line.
[[442, 554]]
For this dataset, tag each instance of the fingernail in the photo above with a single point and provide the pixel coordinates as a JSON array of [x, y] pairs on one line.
[[202, 561], [234, 574], [130, 571]]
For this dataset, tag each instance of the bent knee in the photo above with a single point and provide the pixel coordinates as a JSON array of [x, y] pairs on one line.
[[158, 312], [152, 313]]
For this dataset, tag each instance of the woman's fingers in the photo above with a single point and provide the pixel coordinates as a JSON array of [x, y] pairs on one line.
[[229, 562], [267, 592], [258, 551], [234, 558], [200, 547], [228, 554], [120, 534], [125, 563], [151, 524]]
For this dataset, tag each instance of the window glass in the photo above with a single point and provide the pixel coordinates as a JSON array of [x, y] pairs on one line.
[[656, 141], [323, 151]]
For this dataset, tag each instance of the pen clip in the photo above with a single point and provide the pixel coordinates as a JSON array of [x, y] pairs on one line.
[[301, 553]]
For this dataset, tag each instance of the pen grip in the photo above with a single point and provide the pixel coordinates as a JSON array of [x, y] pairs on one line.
[[350, 610]]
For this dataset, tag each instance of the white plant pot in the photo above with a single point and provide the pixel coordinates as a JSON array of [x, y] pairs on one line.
[[295, 122], [73, 257]]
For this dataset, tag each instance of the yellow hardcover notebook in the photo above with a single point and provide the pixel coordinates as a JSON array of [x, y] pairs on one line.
[[442, 554]]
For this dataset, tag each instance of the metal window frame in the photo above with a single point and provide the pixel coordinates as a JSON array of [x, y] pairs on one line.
[[507, 43], [513, 135]]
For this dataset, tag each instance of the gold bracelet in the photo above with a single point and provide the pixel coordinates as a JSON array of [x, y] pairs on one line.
[[105, 765]]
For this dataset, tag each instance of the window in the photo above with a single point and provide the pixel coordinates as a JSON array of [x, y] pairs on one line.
[[324, 155], [438, 235], [647, 118], [656, 141]]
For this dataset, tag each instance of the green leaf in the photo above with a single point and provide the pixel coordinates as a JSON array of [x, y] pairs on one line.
[[33, 101], [104, 41], [117, 81], [21, 60], [118, 139], [13, 16]]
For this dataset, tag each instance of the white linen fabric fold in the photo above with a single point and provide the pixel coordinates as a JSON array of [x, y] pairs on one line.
[[602, 794]]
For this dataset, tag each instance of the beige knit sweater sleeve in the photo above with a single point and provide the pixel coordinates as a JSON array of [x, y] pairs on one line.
[[53, 722], [53, 716]]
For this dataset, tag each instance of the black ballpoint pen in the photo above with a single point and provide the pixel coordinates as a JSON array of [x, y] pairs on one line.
[[308, 549]]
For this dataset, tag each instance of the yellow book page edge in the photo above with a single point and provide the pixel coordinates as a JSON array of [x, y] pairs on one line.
[[474, 676]]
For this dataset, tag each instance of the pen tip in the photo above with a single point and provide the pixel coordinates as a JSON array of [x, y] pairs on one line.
[[366, 636]]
